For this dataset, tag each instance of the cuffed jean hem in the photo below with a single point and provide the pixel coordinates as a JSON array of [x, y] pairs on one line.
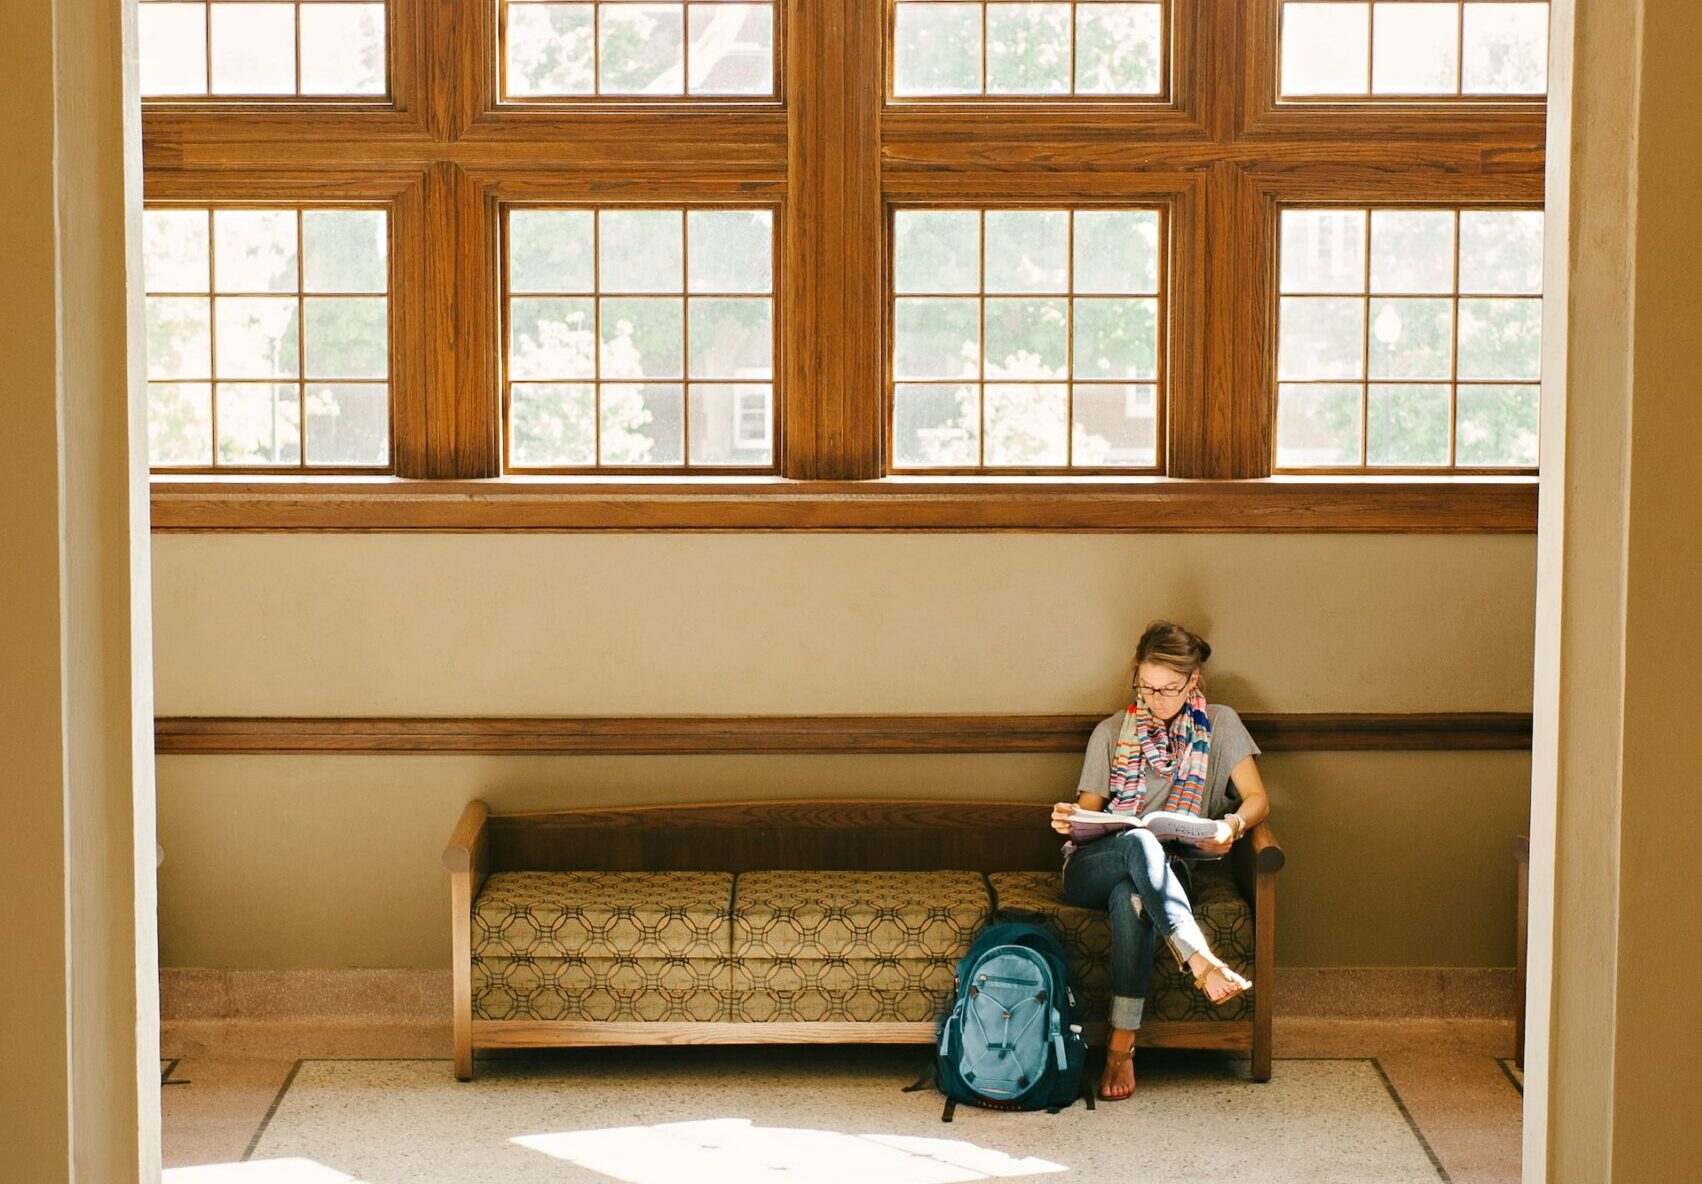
[[1187, 941], [1126, 1010]]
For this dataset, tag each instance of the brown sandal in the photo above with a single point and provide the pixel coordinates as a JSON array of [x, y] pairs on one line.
[[1230, 975], [1115, 1059]]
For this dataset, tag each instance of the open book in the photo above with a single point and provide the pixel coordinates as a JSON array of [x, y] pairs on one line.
[[1086, 825]]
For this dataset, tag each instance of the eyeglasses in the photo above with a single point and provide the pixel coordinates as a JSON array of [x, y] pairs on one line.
[[1161, 692]]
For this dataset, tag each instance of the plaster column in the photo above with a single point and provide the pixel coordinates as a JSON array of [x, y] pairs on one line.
[[79, 1101], [1614, 1059]]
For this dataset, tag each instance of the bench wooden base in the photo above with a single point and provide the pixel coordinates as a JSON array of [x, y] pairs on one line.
[[1229, 1035]]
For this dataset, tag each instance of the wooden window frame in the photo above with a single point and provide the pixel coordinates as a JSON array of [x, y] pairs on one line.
[[491, 99], [686, 205], [1177, 327], [302, 469], [1453, 382], [833, 156], [1273, 15], [1167, 61]]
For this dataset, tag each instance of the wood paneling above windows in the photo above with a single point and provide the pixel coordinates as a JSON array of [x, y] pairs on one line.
[[835, 155]]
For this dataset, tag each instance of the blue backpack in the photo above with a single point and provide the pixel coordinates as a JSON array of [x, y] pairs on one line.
[[1011, 1040]]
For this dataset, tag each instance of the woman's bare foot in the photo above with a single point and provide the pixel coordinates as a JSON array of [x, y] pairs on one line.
[[1118, 1080], [1219, 982]]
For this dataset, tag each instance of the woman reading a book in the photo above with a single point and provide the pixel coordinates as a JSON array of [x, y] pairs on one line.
[[1168, 753]]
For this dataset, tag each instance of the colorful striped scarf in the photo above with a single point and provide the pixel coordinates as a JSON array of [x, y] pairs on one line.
[[1182, 756]]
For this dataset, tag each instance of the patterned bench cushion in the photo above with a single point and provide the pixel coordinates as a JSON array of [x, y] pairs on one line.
[[1171, 995], [850, 945], [601, 946]]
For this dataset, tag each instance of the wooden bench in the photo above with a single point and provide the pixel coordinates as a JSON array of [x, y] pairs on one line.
[[833, 921]]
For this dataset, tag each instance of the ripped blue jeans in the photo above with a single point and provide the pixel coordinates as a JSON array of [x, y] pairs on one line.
[[1145, 891]]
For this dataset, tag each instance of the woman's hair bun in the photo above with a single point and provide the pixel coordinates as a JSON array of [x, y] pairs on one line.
[[1169, 644]]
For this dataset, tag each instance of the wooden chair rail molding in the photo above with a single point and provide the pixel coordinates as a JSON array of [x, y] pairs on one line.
[[1483, 505], [803, 735]]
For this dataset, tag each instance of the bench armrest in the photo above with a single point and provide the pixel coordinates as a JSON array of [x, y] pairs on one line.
[[1267, 855], [1254, 858], [467, 842], [468, 859]]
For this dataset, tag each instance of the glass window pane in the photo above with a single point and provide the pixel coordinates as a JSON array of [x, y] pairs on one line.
[[1501, 251], [344, 251], [640, 250], [731, 337], [1321, 338], [936, 251], [347, 337], [180, 423], [174, 251], [254, 49], [254, 251], [643, 337], [172, 45], [1118, 49], [1026, 423], [1116, 251], [348, 424], [937, 49], [1415, 49], [342, 49], [1115, 425], [1323, 250], [1318, 424], [1026, 338], [732, 49], [1412, 339], [259, 423], [1028, 50], [642, 424], [552, 338], [257, 337], [1326, 49], [1116, 339], [936, 338], [552, 424], [730, 250], [179, 337], [550, 50], [1497, 425], [1506, 49], [936, 426], [1501, 339], [639, 49], [731, 423], [1407, 425], [1412, 251], [551, 251], [1028, 250]]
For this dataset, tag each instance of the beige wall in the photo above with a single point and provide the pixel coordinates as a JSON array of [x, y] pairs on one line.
[[332, 861]]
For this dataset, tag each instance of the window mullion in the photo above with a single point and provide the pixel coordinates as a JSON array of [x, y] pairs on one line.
[[831, 322]]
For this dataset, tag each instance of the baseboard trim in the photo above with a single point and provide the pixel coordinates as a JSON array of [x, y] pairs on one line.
[[423, 996]]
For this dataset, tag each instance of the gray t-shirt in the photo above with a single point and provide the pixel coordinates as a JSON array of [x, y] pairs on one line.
[[1230, 745]]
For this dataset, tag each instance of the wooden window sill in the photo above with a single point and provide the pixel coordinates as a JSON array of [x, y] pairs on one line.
[[1418, 505]]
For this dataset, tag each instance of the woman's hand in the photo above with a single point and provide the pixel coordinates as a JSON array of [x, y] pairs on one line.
[[1061, 812], [1220, 843]]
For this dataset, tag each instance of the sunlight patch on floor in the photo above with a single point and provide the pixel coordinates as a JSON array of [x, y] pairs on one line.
[[736, 1151]]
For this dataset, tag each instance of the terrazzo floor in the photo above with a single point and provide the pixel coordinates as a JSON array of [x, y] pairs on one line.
[[1434, 1095]]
